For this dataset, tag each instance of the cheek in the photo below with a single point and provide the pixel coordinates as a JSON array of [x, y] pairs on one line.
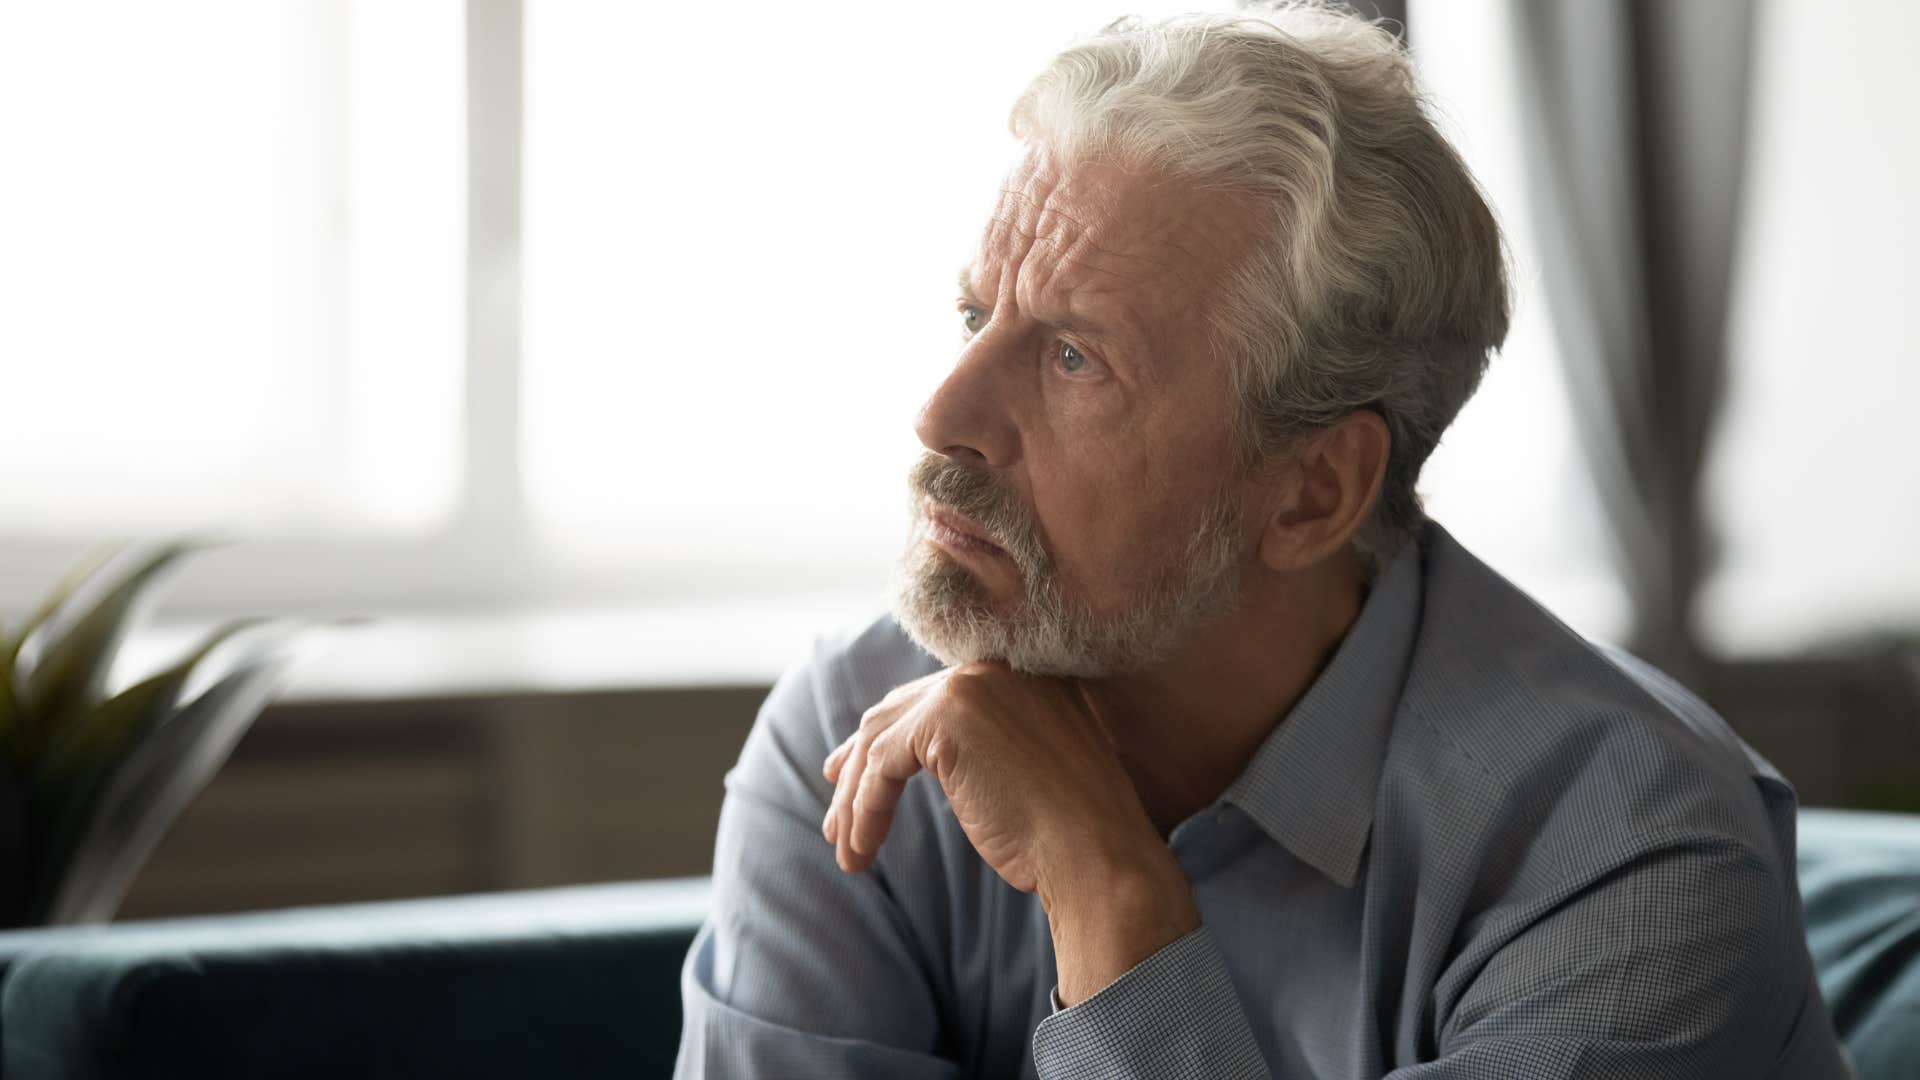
[[1103, 510], [1115, 483]]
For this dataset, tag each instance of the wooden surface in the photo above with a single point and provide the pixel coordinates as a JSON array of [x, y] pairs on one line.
[[323, 803]]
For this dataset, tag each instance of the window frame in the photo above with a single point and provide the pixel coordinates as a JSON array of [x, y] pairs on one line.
[[480, 554]]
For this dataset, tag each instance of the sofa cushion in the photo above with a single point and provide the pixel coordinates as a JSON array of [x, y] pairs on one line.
[[560, 982], [1860, 885], [585, 981]]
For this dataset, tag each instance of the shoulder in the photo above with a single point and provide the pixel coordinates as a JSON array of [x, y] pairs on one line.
[[855, 669], [1589, 753], [1566, 812], [817, 703]]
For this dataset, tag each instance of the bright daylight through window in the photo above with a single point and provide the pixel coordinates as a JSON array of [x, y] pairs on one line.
[[230, 266], [738, 273], [242, 290]]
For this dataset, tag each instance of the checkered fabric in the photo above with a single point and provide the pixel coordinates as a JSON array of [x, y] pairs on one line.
[[1478, 847]]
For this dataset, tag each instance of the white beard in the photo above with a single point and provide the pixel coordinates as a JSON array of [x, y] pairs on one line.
[[947, 611]]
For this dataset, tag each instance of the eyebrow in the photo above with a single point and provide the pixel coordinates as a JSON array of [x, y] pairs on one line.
[[1092, 329]]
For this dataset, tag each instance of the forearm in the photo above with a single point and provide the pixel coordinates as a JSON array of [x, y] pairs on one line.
[[1142, 989], [1108, 912]]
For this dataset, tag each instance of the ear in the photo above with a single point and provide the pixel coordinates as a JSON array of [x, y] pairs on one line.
[[1329, 491]]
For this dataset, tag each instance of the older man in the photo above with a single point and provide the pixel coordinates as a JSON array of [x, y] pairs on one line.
[[1192, 748]]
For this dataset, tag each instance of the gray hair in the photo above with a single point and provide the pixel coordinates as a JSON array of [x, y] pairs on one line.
[[1380, 281]]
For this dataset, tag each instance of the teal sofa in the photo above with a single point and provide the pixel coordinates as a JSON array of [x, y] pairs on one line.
[[584, 982], [1860, 889], [573, 982]]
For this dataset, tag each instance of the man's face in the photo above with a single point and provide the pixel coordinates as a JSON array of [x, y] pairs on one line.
[[1078, 510]]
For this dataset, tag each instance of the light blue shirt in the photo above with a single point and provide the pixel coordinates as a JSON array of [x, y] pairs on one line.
[[1478, 847]]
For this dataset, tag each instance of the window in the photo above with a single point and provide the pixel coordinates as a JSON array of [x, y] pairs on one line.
[[230, 263], [1814, 487], [741, 242], [737, 274], [738, 246]]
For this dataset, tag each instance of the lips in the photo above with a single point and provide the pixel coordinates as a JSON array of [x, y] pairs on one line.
[[952, 529]]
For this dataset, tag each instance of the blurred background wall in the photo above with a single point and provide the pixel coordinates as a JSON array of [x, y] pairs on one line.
[[576, 345]]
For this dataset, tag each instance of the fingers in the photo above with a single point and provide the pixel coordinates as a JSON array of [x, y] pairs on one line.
[[836, 760], [898, 700], [861, 810], [889, 763], [840, 813], [845, 773]]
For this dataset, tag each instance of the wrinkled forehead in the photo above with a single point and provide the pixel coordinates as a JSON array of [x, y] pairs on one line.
[[1159, 243]]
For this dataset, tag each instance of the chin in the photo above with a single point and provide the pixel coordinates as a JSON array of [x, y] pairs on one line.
[[946, 612]]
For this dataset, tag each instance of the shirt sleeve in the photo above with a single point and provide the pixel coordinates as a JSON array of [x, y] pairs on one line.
[[1683, 960], [1173, 1014], [801, 969]]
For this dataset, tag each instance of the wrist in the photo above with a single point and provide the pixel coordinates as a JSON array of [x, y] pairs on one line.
[[1112, 909]]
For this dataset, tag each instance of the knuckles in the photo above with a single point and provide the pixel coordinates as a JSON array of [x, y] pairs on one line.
[[963, 695], [970, 686], [938, 755]]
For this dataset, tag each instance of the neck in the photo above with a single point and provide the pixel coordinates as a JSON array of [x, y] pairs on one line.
[[1186, 728]]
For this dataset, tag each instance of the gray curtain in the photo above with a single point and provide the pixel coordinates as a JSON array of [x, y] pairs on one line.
[[1635, 114], [1394, 11]]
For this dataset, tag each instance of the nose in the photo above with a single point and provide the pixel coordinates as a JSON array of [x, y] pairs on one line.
[[967, 418]]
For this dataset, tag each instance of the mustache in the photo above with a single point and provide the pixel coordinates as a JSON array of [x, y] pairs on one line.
[[979, 496]]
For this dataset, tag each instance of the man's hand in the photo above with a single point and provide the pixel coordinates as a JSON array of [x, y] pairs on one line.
[[1034, 781]]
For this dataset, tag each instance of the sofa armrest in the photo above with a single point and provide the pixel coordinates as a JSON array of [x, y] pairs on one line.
[[564, 982], [1860, 887]]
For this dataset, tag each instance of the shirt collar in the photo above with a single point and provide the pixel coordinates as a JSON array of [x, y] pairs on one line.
[[1311, 784]]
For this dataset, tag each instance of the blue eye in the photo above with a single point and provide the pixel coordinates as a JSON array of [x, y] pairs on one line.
[[1071, 359], [973, 319]]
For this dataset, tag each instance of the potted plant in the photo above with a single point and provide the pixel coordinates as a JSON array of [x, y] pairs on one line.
[[93, 775]]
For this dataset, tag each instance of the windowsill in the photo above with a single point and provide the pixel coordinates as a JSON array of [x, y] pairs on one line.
[[412, 656]]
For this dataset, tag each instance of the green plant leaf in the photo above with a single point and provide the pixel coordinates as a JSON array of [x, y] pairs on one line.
[[87, 748], [151, 786], [18, 733], [10, 749], [70, 672], [83, 568]]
